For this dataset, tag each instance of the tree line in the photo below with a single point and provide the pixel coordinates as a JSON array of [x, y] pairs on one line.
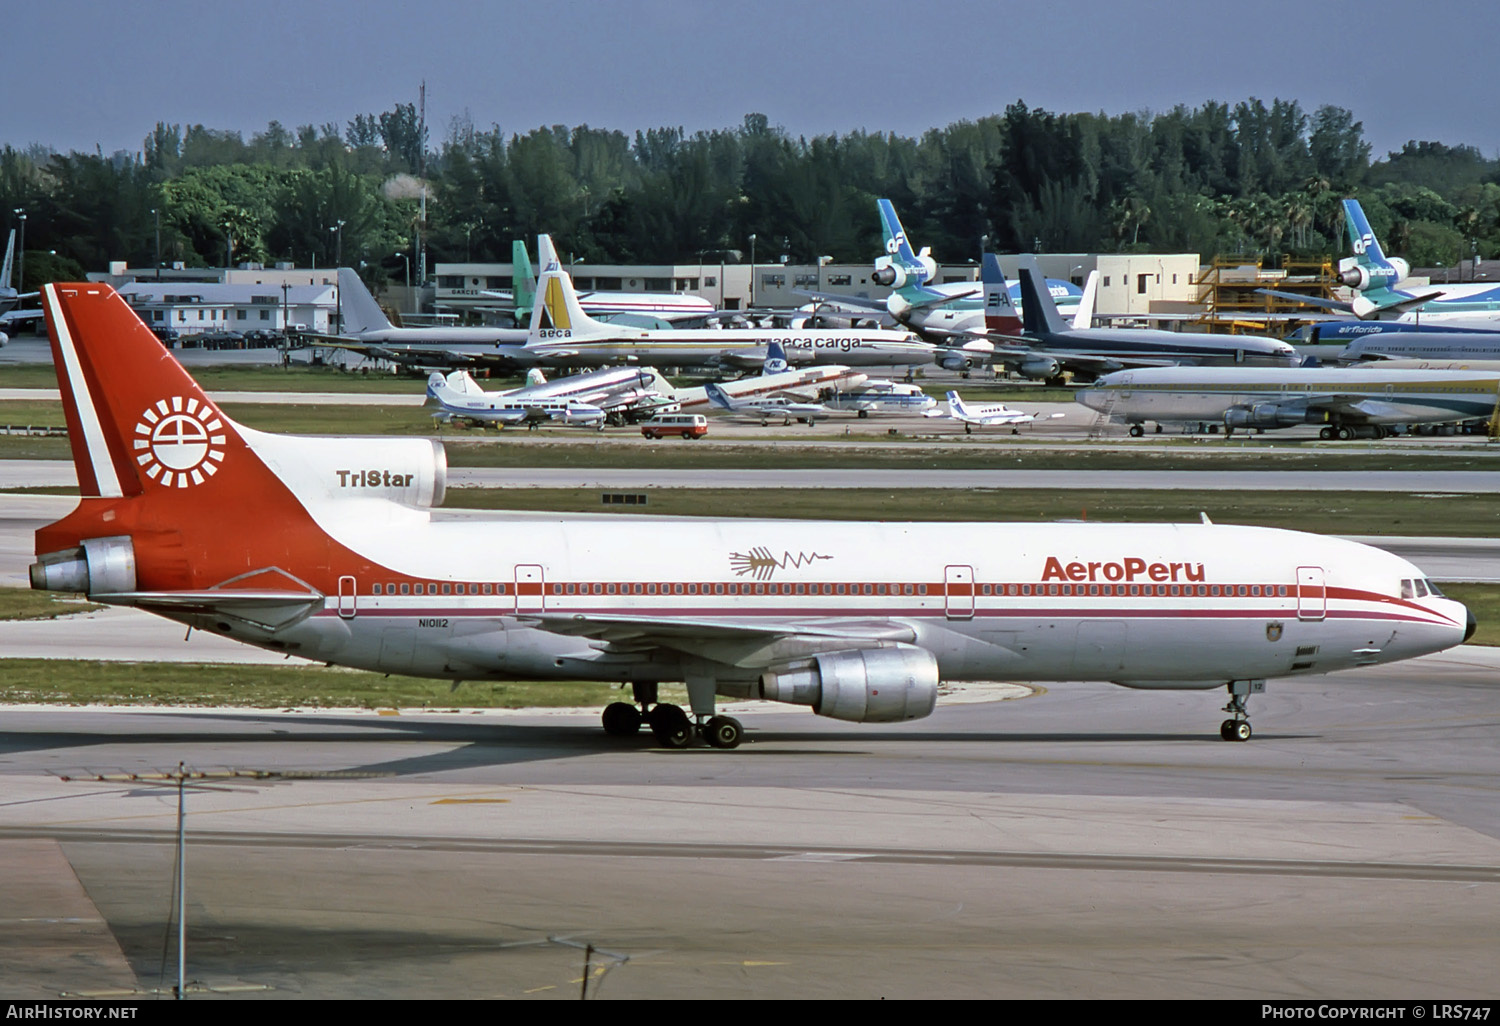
[[1247, 179]]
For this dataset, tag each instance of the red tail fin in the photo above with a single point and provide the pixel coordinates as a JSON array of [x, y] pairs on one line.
[[135, 417]]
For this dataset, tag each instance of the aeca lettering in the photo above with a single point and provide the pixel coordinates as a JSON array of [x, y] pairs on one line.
[[555, 333], [1131, 568]]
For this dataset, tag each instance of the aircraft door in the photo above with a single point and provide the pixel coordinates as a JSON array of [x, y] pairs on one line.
[[958, 592], [348, 598], [1312, 593], [531, 589]]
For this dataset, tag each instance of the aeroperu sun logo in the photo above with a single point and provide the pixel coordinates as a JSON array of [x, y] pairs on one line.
[[179, 442]]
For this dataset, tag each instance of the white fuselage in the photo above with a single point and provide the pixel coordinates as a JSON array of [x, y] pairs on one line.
[[1369, 395], [472, 595]]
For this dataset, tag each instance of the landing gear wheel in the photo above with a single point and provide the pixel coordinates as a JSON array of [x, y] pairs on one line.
[[621, 719], [671, 726], [1235, 730], [1326, 434], [968, 429], [1136, 431], [723, 732], [1345, 434]]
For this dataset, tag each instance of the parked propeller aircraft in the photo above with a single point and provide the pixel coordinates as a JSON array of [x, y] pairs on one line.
[[615, 394], [330, 548], [765, 408], [562, 334], [878, 396]]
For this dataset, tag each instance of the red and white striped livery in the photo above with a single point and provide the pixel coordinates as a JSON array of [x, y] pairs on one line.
[[330, 548]]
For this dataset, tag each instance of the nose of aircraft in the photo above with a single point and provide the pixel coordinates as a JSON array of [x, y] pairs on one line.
[[1471, 626]]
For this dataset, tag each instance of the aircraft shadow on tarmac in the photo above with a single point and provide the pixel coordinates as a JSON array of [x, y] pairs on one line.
[[497, 744]]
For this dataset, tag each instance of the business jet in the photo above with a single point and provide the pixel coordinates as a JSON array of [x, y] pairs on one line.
[[330, 548], [987, 415]]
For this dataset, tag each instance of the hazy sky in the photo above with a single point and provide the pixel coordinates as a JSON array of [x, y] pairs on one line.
[[77, 73]]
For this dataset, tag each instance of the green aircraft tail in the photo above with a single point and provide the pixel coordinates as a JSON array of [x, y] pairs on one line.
[[522, 281]]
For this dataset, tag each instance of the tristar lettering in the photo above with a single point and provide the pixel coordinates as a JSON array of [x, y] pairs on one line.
[[1131, 568], [373, 479]]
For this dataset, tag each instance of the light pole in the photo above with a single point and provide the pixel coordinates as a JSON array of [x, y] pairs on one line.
[[338, 251], [156, 216], [468, 231], [407, 261], [21, 263], [752, 270]]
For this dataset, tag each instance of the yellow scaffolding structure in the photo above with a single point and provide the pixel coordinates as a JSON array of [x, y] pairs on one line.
[[1228, 290]]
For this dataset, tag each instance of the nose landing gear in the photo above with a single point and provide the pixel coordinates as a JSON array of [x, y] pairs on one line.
[[1237, 727]]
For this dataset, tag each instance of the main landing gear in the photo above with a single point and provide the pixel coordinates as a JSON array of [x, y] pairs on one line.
[[671, 724], [1237, 727]]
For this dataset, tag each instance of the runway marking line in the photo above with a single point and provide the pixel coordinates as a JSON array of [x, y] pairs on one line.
[[471, 801]]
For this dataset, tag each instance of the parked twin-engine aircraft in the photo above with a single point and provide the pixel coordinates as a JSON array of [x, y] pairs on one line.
[[330, 548], [879, 396], [987, 415], [766, 408]]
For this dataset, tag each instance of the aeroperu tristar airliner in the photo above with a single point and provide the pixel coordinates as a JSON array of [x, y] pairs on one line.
[[330, 548]]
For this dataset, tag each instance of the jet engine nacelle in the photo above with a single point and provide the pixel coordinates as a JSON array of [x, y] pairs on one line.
[[412, 471], [892, 274], [100, 566], [1039, 367], [1358, 276], [1265, 415], [872, 685]]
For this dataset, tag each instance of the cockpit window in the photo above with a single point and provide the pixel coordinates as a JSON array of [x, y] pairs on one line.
[[1434, 589], [1407, 591], [1421, 588]]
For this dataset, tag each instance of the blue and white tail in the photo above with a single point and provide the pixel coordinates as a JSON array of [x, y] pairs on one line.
[[956, 407], [775, 360], [718, 396]]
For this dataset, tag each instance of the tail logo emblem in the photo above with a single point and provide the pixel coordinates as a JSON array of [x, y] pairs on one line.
[[179, 442]]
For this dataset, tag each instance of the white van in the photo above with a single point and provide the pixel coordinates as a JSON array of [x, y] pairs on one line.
[[688, 425]]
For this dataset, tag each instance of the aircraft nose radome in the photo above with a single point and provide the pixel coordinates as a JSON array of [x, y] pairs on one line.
[[1471, 626]]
